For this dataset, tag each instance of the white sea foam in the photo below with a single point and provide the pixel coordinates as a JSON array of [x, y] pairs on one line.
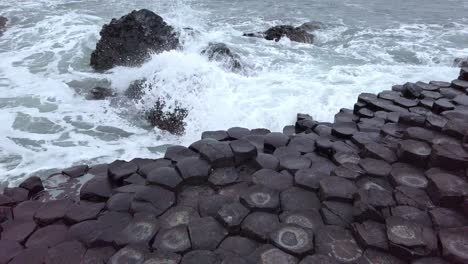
[[44, 77]]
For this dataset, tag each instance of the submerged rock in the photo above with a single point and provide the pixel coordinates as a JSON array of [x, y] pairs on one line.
[[100, 93], [301, 33], [220, 52], [460, 62], [3, 21], [171, 120], [129, 40]]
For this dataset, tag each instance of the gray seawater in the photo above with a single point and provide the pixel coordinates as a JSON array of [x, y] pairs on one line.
[[44, 71]]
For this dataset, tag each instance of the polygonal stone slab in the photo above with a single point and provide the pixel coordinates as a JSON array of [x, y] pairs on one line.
[[218, 135], [446, 189], [120, 202], [76, 171], [209, 205], [344, 129], [200, 256], [367, 183], [455, 244], [238, 132], [412, 214], [258, 197], [447, 218], [17, 194], [129, 254], [96, 189], [414, 151], [376, 198], [178, 153], [67, 252], [157, 198], [17, 230], [164, 176], [341, 158], [293, 164], [241, 246], [272, 179], [48, 236], [26, 210], [293, 239], [378, 151], [448, 155], [298, 199], [119, 169], [405, 195], [309, 178], [161, 257], [218, 154], [98, 255], [307, 219], [232, 215], [194, 169], [274, 140], [374, 167], [224, 176], [52, 211], [371, 234], [258, 225], [30, 256], [81, 212], [111, 223], [8, 250], [178, 215], [408, 176], [372, 256], [403, 232], [33, 185], [337, 188], [337, 243], [175, 240], [243, 150], [206, 233], [141, 229], [318, 259], [337, 213], [135, 178], [429, 260], [266, 161], [190, 195], [303, 144], [268, 254], [348, 171]]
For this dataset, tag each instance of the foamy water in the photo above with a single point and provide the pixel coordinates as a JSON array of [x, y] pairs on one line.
[[44, 71]]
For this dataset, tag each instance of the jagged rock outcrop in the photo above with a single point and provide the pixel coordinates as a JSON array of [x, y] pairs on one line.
[[460, 62], [302, 33], [3, 22], [129, 40], [100, 93], [222, 53]]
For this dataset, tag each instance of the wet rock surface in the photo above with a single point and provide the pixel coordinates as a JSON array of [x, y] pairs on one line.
[[302, 33], [386, 183], [3, 22], [129, 40]]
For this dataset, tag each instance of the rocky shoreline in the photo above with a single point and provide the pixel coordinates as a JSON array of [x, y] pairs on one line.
[[386, 182]]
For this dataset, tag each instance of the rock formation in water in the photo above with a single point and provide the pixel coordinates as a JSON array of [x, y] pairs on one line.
[[386, 182], [130, 40], [100, 93], [460, 62], [3, 22], [301, 33], [222, 53]]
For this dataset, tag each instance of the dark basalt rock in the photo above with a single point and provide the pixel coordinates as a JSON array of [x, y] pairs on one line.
[[408, 176], [446, 189], [258, 225], [411, 196], [96, 189], [81, 212], [309, 178], [152, 199], [318, 259], [167, 118], [270, 254], [222, 53], [3, 22], [375, 168], [274, 140], [52, 211], [66, 252], [238, 245], [100, 93], [175, 240], [128, 41], [164, 176], [200, 256], [375, 256], [272, 179], [8, 250], [307, 219], [194, 169], [210, 205], [413, 214], [178, 215], [16, 194], [258, 197], [48, 236], [33, 185], [232, 215], [218, 154], [337, 188], [460, 62], [293, 239], [454, 244], [129, 254], [140, 230], [447, 218], [30, 256], [206, 233], [297, 34], [371, 234], [337, 213], [17, 230], [337, 243], [291, 200]]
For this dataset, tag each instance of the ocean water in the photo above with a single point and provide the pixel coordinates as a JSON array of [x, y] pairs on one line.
[[47, 123]]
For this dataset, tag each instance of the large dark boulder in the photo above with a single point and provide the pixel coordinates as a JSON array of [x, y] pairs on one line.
[[301, 33], [128, 41], [220, 52], [3, 21], [457, 62]]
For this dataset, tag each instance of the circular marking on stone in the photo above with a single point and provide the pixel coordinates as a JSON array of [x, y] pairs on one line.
[[174, 240], [459, 247], [127, 255], [413, 181], [142, 230], [292, 237], [372, 185], [403, 231], [260, 198], [345, 250], [299, 220]]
